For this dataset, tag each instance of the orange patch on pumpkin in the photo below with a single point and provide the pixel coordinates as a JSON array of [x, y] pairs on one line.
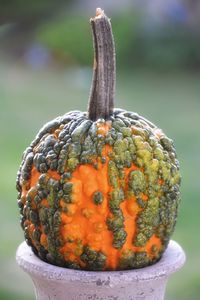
[[53, 174], [144, 197], [34, 177], [44, 203], [43, 240], [89, 216], [160, 181], [103, 128]]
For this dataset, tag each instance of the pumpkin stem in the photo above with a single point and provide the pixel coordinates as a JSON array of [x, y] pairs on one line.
[[101, 102]]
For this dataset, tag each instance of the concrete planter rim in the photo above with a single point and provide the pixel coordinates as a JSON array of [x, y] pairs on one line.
[[172, 260]]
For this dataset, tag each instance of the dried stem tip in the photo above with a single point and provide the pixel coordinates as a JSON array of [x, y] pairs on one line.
[[99, 12]]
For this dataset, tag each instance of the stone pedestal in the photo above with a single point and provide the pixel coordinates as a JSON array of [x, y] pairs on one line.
[[55, 283]]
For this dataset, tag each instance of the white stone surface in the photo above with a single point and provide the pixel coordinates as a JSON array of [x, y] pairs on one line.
[[55, 283]]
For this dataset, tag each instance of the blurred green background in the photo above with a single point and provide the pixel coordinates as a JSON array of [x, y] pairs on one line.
[[46, 69]]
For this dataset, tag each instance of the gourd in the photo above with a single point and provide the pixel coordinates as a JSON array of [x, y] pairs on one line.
[[99, 190]]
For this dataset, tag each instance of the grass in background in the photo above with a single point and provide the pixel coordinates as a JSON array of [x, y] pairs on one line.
[[28, 99]]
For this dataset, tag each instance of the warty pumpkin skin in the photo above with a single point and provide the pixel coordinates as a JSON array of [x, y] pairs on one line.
[[99, 190], [99, 195]]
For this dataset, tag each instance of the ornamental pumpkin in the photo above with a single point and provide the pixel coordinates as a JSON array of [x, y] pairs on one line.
[[99, 190]]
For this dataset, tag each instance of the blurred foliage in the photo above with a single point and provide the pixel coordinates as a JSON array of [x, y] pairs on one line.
[[27, 10], [19, 19], [171, 48], [69, 39], [67, 36]]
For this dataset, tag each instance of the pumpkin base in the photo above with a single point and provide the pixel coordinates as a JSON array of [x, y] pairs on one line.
[[52, 282]]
